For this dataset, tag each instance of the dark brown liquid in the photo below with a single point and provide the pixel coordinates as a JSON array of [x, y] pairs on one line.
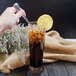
[[36, 43], [36, 54]]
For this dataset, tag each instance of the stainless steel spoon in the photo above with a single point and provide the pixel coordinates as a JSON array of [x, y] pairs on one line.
[[16, 5]]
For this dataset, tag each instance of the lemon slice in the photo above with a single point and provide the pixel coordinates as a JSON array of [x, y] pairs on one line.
[[45, 21]]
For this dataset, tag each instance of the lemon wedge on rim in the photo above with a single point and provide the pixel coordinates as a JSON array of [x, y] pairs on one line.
[[45, 21]]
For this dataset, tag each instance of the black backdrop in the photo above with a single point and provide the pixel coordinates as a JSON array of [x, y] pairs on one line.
[[63, 13]]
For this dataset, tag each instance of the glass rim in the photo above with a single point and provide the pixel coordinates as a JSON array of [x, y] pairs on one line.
[[34, 22]]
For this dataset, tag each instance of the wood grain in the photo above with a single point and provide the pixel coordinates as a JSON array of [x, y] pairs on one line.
[[59, 68]]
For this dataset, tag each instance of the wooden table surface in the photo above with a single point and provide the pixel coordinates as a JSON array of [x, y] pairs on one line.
[[59, 68]]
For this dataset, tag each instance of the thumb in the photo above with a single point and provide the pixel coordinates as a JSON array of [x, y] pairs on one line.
[[20, 13]]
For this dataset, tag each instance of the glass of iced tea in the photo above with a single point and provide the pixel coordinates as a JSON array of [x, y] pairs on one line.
[[36, 47]]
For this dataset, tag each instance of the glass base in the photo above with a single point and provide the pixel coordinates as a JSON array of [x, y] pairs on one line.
[[33, 70]]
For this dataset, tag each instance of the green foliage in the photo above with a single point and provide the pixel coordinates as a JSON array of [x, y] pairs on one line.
[[14, 40]]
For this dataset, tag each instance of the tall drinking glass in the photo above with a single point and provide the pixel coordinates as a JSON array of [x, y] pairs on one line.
[[36, 47]]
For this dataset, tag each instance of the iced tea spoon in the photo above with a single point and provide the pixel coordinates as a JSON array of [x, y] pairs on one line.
[[16, 5]]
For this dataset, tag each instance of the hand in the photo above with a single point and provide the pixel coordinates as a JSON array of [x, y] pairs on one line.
[[9, 18]]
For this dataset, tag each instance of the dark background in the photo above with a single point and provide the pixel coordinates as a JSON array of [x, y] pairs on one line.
[[63, 13]]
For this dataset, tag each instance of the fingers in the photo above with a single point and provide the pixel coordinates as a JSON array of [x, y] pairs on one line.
[[17, 21], [23, 12], [11, 10], [14, 10], [16, 13], [20, 13], [11, 16]]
